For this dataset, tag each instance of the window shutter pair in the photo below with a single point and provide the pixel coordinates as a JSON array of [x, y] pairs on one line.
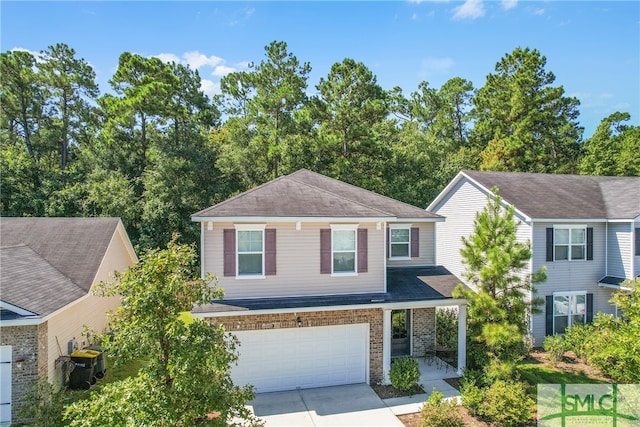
[[549, 313], [325, 250], [229, 251], [550, 244], [415, 242]]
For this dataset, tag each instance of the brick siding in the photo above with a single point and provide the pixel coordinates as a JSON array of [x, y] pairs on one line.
[[373, 317], [423, 330]]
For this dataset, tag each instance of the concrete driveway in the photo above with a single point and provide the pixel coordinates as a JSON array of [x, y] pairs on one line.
[[349, 405]]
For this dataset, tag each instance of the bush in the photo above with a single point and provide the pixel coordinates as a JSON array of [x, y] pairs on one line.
[[555, 346], [42, 405], [472, 397], [447, 329], [437, 412], [497, 370], [576, 338], [507, 403], [404, 373]]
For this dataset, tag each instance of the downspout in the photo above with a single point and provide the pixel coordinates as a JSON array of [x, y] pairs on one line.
[[606, 248], [202, 249]]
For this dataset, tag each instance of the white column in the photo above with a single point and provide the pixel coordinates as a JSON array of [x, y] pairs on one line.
[[462, 337], [386, 346]]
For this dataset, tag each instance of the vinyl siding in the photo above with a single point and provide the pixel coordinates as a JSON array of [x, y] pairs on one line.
[[636, 262], [570, 275], [459, 208], [426, 248], [620, 247], [298, 264]]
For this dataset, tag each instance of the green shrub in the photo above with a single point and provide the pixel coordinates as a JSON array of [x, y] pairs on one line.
[[507, 403], [576, 339], [472, 397], [42, 405], [555, 346], [447, 329], [404, 373], [499, 370], [438, 412]]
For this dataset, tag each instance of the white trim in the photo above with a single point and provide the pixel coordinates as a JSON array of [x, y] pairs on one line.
[[18, 310], [384, 254], [386, 345], [569, 245], [249, 227], [402, 226], [202, 262], [33, 321], [616, 287], [304, 219], [382, 305], [570, 220], [606, 249], [354, 229], [632, 251]]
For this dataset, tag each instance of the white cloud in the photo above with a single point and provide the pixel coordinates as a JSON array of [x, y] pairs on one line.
[[197, 60], [509, 4], [414, 17], [430, 66], [539, 11], [36, 55], [210, 88], [168, 57], [222, 70], [471, 9]]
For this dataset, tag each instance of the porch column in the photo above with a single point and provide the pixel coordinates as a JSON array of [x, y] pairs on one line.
[[462, 337], [386, 345]]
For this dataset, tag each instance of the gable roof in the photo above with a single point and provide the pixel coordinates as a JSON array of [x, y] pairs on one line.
[[557, 196], [48, 263], [306, 194]]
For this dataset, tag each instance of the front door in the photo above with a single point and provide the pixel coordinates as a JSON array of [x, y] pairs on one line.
[[400, 333]]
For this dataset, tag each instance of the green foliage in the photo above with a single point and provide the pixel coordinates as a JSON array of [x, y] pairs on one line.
[[186, 374], [576, 338], [507, 403], [447, 329], [555, 346], [497, 370], [42, 406], [439, 412], [499, 309], [404, 373], [472, 395]]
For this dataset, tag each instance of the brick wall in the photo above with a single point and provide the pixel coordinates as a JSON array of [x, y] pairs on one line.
[[318, 318], [423, 330], [26, 345]]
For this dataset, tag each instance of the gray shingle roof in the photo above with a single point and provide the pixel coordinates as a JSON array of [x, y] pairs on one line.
[[309, 194], [549, 196], [49, 262]]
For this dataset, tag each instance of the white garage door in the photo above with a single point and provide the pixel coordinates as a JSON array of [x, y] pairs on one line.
[[286, 359], [5, 385]]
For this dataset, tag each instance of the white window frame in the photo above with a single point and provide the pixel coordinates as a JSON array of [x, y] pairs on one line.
[[569, 245], [249, 227], [571, 295], [345, 227], [408, 243]]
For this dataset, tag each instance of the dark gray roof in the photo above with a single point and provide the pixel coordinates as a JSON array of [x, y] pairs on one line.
[[404, 284], [309, 194], [611, 280], [31, 283], [549, 196], [73, 246], [48, 263]]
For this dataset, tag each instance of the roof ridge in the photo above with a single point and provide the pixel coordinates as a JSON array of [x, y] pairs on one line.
[[361, 189]]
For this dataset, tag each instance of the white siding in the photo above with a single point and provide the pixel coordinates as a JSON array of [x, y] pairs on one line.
[[619, 248], [297, 264], [459, 208], [570, 275], [426, 249]]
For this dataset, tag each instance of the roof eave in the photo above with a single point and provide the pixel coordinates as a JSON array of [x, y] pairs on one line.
[[250, 219]]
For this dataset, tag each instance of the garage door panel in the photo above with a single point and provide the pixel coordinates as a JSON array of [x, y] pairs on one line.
[[286, 359]]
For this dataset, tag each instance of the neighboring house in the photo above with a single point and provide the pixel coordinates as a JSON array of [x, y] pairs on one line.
[[49, 266], [324, 282], [584, 229]]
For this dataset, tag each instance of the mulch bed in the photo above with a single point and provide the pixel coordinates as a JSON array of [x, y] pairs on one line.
[[389, 391]]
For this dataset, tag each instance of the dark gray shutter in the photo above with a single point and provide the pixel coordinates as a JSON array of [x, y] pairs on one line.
[[270, 252], [589, 308], [325, 251], [637, 241], [229, 251], [550, 244], [549, 315], [388, 242], [415, 242], [363, 250], [589, 243]]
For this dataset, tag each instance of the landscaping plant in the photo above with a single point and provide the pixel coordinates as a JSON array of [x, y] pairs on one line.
[[555, 346], [439, 412], [507, 403], [404, 373]]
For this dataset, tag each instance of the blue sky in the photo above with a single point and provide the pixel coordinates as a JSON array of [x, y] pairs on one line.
[[593, 48]]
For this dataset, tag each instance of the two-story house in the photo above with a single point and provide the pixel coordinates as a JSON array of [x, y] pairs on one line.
[[324, 282], [584, 229]]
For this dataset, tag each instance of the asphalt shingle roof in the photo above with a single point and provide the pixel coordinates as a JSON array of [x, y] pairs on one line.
[[309, 194], [548, 196], [49, 262], [404, 284]]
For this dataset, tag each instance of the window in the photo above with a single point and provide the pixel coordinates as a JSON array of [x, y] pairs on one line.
[[568, 309], [570, 243], [343, 250], [399, 241], [250, 252]]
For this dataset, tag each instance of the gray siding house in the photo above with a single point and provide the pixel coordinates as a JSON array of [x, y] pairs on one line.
[[324, 282], [584, 229]]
